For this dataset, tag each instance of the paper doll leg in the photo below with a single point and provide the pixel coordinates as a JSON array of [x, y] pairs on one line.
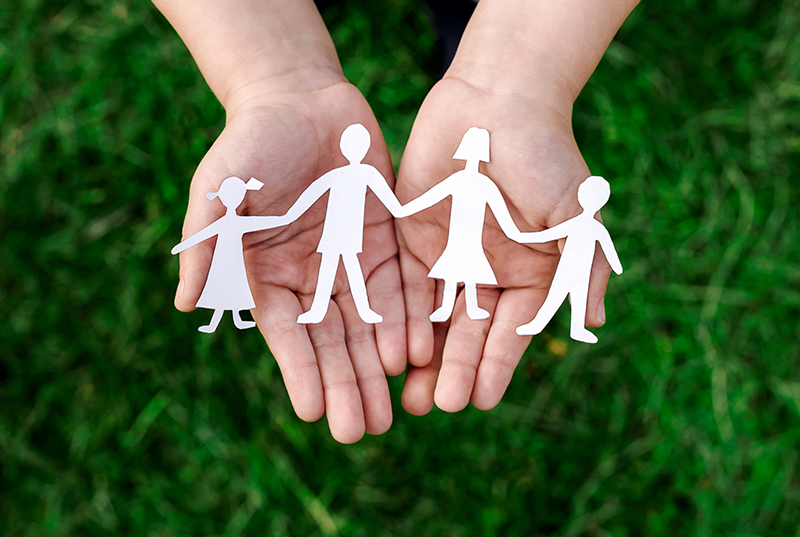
[[577, 323], [215, 319], [543, 316], [474, 312], [322, 295], [358, 289], [239, 323], [448, 301]]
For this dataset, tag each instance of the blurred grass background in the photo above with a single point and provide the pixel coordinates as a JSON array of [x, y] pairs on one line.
[[116, 419]]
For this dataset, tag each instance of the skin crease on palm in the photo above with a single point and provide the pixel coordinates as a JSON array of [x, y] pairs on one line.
[[338, 367], [536, 163]]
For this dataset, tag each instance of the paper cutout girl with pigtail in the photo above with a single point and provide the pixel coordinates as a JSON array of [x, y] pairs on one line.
[[464, 259], [343, 229], [226, 287], [575, 265]]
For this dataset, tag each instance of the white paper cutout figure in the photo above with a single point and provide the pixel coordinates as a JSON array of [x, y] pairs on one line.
[[575, 266], [343, 229], [226, 287], [464, 259]]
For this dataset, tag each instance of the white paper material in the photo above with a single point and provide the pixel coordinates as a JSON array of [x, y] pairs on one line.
[[575, 265], [226, 286], [464, 259], [343, 229]]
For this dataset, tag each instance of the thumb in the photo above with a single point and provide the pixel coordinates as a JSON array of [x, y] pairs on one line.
[[195, 262], [601, 271]]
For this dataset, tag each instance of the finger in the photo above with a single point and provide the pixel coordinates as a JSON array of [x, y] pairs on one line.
[[595, 305], [276, 314], [439, 331], [462, 352], [504, 347], [418, 292], [420, 382], [370, 376], [385, 291], [342, 396], [196, 261]]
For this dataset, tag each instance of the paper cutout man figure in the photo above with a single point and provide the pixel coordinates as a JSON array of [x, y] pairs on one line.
[[343, 229], [575, 266], [464, 259], [226, 287]]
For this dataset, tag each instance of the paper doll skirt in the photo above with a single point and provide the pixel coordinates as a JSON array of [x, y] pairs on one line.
[[475, 270], [231, 293]]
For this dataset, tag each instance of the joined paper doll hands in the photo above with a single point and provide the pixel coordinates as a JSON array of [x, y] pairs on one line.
[[287, 108]]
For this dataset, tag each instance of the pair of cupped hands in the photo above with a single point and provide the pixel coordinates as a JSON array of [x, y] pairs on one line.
[[286, 133]]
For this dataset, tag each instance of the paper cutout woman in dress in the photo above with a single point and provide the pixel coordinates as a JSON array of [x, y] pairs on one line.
[[464, 259], [226, 287], [575, 266], [343, 229]]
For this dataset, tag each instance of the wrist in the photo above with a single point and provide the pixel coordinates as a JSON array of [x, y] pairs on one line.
[[536, 48], [285, 70], [249, 47], [512, 70]]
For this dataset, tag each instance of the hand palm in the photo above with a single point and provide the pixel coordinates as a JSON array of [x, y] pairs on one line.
[[537, 166], [287, 144]]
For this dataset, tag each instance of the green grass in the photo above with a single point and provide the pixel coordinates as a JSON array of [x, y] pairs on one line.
[[684, 420]]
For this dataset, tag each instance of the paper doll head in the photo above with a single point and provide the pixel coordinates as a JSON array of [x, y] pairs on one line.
[[355, 143], [233, 189], [594, 193], [474, 145]]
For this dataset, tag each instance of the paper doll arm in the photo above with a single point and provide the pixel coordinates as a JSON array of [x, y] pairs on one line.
[[608, 248], [258, 223], [556, 232], [380, 187], [310, 195], [197, 238], [437, 193], [503, 216]]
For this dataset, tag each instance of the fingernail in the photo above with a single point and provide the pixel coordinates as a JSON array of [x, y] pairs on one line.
[[601, 311], [181, 289]]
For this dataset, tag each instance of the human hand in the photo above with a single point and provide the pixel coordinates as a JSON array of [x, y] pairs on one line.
[[538, 167], [287, 139], [275, 70], [519, 67]]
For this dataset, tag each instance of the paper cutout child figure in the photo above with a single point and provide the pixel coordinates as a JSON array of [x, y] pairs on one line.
[[575, 266], [464, 259], [343, 229], [226, 287]]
